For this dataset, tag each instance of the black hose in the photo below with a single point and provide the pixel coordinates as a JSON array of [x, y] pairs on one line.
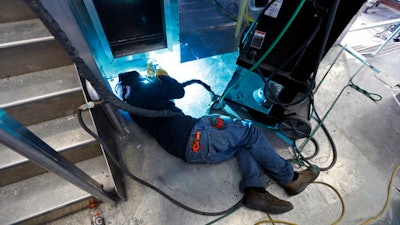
[[315, 152], [331, 142], [126, 171], [195, 81]]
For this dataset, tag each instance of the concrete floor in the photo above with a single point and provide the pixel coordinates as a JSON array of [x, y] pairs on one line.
[[366, 135]]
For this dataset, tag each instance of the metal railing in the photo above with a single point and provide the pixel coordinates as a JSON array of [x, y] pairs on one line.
[[18, 138]]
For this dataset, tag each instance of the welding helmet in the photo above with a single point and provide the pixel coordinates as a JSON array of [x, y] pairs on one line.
[[126, 80]]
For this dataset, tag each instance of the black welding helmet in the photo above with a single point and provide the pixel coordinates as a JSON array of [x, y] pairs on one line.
[[126, 81], [128, 78]]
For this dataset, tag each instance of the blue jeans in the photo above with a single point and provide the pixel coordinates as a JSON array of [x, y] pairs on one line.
[[240, 139]]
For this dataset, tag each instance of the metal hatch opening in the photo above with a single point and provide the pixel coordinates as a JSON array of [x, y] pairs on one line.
[[132, 26]]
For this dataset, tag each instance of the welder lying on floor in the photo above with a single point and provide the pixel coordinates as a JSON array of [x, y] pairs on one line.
[[214, 139]]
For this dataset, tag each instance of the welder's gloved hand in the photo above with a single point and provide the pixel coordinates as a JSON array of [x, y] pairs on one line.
[[154, 70], [161, 72], [151, 68]]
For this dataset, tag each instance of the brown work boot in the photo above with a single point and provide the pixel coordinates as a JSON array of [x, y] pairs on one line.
[[303, 179], [262, 200]]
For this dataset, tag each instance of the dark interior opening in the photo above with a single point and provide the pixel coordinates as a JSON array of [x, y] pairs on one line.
[[132, 26]]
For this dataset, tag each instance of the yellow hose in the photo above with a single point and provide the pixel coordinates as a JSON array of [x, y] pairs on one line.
[[387, 199]]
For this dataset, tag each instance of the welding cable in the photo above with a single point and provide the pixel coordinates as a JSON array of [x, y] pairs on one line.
[[214, 97], [126, 171], [298, 152], [195, 81], [374, 97], [273, 221], [330, 139], [221, 217], [300, 158]]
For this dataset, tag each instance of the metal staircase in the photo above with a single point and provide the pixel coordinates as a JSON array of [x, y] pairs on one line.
[[40, 88]]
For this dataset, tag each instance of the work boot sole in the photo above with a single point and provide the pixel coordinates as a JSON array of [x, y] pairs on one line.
[[302, 186], [266, 202], [268, 209]]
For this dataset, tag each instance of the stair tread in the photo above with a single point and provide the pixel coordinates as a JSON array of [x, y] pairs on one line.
[[62, 133], [22, 31], [28, 87], [47, 192]]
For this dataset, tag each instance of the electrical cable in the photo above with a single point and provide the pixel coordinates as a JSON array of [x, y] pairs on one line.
[[275, 221], [383, 210], [195, 81], [374, 97], [221, 217], [316, 152], [340, 198], [104, 92], [109, 97], [387, 199], [126, 171], [330, 139], [328, 70], [290, 223], [331, 142]]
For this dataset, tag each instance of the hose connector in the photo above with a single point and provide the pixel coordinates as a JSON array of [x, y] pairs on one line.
[[90, 105]]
